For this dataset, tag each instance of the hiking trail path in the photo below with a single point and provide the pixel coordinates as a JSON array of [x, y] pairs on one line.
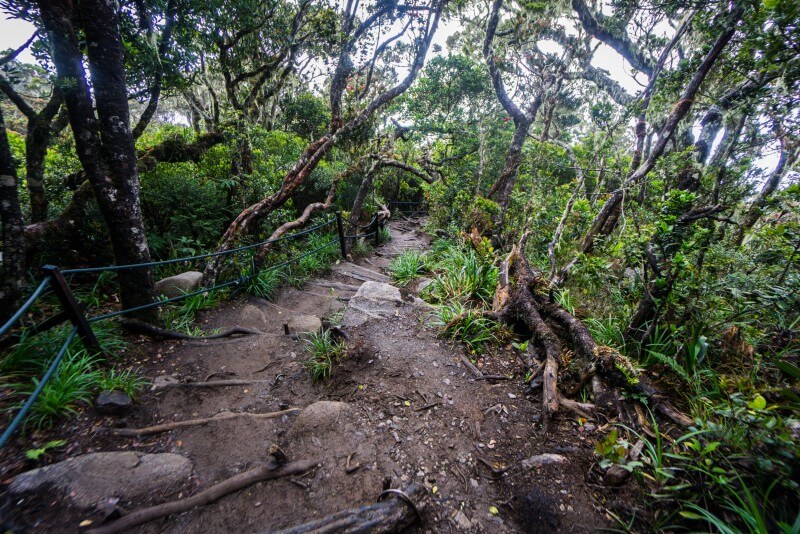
[[402, 405]]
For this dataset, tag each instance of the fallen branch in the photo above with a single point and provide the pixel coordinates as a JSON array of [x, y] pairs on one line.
[[136, 325], [395, 514], [209, 384], [208, 496], [475, 371], [176, 425]]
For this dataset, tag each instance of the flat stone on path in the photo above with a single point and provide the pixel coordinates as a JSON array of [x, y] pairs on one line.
[[252, 317], [374, 300], [88, 479], [305, 324], [175, 286]]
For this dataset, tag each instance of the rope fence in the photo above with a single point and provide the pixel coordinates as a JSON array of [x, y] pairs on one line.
[[73, 309]]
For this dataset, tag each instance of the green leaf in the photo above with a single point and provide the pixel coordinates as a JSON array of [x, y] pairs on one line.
[[493, 510], [789, 369], [690, 515], [759, 403]]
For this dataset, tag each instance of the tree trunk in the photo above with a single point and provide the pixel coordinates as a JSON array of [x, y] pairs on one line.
[[787, 158], [36, 140], [361, 194], [12, 268], [105, 147]]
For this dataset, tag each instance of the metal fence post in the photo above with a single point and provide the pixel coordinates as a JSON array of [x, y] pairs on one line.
[[72, 308], [340, 229]]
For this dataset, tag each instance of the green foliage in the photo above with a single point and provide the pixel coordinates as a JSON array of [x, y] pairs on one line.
[[323, 352], [265, 284], [408, 266], [468, 326], [126, 381], [462, 276], [73, 383], [36, 454]]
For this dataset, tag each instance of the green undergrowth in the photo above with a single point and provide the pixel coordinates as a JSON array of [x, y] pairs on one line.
[[79, 377], [408, 266], [323, 353], [463, 285]]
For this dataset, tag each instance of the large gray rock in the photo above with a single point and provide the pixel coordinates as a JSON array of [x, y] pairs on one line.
[[376, 300], [305, 324], [319, 418], [91, 478], [252, 317], [175, 286]]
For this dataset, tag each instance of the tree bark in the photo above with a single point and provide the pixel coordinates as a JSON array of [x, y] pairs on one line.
[[12, 268], [37, 137], [787, 158], [390, 515], [105, 146]]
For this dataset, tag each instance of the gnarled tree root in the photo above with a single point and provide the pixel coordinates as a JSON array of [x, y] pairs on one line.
[[208, 496], [521, 294], [394, 514], [176, 425], [143, 327]]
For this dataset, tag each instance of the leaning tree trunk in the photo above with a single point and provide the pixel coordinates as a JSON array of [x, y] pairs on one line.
[[363, 191], [105, 147], [787, 158], [12, 268], [251, 217], [607, 218]]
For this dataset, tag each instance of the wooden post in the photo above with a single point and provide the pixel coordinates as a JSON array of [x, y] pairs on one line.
[[340, 229], [377, 236], [72, 308]]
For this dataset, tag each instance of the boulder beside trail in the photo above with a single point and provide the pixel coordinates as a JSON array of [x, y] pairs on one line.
[[88, 479], [305, 324], [320, 418], [253, 317], [113, 402], [174, 286]]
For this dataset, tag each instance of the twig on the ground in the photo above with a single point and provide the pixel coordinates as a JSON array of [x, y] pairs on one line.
[[140, 326], [351, 468], [475, 371], [427, 406], [210, 384]]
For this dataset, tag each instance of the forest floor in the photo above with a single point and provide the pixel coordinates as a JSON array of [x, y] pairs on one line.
[[412, 412]]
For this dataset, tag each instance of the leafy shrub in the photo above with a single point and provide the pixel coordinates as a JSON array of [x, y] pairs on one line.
[[408, 266], [323, 351], [468, 326]]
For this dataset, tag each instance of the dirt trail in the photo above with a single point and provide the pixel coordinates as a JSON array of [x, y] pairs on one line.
[[413, 412]]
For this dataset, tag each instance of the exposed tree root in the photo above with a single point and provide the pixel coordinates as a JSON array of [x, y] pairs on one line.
[[522, 295], [208, 496], [176, 425], [394, 514], [209, 384], [136, 325]]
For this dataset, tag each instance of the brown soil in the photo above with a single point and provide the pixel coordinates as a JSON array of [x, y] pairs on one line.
[[414, 413]]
